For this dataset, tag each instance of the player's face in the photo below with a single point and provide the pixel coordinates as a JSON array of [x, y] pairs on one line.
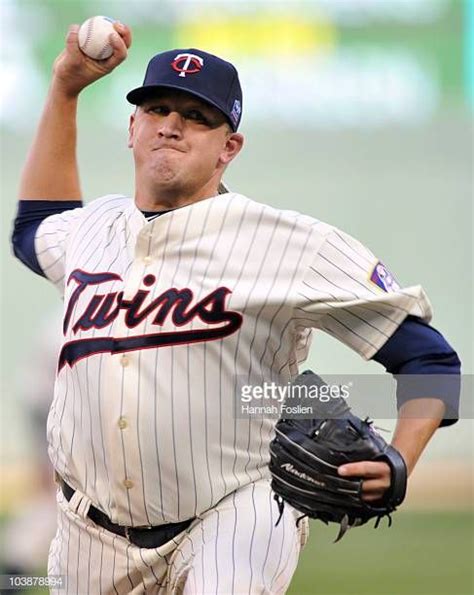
[[181, 146]]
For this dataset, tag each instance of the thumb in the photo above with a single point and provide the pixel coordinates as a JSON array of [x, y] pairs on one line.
[[72, 42]]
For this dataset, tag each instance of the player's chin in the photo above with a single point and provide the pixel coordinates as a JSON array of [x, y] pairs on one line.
[[164, 171]]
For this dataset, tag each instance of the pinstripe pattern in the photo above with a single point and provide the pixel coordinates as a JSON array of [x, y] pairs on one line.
[[264, 556], [150, 435], [338, 297], [197, 561], [329, 290]]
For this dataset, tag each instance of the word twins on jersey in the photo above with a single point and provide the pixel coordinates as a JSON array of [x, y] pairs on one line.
[[103, 308], [161, 320]]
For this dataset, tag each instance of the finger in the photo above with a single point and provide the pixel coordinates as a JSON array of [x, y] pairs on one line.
[[72, 29], [364, 469], [119, 50], [374, 485], [124, 32], [72, 42], [373, 497]]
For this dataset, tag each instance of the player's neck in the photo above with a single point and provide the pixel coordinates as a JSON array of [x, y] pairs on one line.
[[165, 199]]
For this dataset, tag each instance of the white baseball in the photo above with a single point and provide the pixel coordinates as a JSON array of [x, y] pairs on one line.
[[94, 37]]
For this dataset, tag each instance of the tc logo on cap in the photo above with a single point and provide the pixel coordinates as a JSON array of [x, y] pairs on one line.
[[187, 64]]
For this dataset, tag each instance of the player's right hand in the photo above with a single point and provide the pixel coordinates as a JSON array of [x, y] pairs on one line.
[[73, 70]]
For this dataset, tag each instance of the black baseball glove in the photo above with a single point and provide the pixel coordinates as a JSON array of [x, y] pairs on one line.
[[306, 453]]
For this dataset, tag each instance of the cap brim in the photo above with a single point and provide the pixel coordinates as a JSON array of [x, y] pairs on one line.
[[140, 94]]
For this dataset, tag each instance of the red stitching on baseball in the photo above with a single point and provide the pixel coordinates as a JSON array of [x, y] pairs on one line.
[[90, 25], [103, 51]]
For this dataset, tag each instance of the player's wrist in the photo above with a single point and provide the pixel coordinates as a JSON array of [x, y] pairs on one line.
[[64, 92], [68, 80]]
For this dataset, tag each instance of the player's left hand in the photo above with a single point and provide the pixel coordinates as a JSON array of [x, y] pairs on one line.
[[377, 477]]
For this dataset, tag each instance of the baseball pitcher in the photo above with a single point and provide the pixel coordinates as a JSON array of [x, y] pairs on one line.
[[171, 297]]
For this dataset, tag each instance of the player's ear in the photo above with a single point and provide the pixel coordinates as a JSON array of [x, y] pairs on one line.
[[131, 125], [233, 146]]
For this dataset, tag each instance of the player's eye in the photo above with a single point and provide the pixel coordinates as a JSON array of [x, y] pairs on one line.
[[196, 116], [161, 110]]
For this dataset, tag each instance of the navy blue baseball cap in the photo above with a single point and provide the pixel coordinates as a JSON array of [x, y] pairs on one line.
[[204, 75]]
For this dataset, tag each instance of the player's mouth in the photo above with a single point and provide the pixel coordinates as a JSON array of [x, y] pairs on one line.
[[167, 148]]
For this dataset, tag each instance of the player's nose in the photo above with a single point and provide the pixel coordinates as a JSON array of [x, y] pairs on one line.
[[171, 125]]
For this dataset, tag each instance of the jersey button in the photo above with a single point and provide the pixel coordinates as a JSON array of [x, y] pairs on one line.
[[124, 361], [147, 260], [128, 483], [122, 424]]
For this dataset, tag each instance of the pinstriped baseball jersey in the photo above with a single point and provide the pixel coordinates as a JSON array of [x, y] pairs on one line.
[[162, 317]]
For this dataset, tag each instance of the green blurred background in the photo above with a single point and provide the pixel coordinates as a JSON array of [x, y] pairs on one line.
[[358, 112]]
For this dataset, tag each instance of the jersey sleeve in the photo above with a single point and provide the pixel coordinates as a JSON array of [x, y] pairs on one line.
[[51, 242], [350, 294]]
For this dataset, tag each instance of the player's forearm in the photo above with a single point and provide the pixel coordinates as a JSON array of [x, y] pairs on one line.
[[417, 422], [51, 171]]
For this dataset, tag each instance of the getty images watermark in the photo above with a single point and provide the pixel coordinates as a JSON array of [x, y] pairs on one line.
[[274, 399], [373, 395]]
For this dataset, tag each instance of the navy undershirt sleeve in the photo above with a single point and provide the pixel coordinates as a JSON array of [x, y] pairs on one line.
[[417, 349], [29, 216]]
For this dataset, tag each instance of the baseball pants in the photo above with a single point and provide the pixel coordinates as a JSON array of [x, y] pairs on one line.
[[231, 548]]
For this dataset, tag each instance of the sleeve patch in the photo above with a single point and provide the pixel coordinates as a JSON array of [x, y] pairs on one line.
[[383, 278]]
